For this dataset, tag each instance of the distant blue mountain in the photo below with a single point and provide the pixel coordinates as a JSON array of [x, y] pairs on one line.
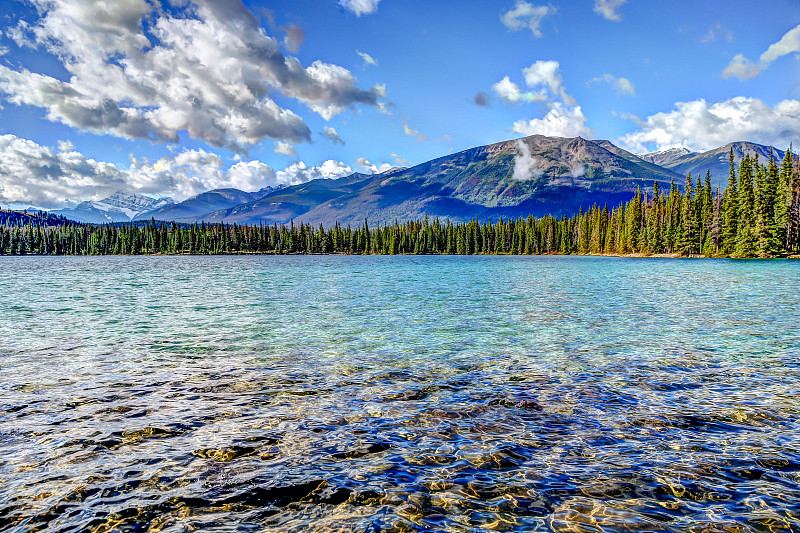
[[191, 209]]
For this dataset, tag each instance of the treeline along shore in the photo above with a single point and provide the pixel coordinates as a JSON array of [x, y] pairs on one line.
[[757, 215]]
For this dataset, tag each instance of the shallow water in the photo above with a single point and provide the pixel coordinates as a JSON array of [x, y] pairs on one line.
[[337, 393]]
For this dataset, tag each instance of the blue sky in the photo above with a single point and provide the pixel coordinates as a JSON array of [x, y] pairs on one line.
[[177, 97]]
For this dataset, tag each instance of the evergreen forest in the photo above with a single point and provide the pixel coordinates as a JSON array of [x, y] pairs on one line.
[[757, 215]]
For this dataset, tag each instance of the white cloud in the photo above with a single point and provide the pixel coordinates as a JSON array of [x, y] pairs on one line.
[[368, 59], [507, 90], [543, 73], [206, 68], [546, 74], [742, 68], [698, 125], [38, 175], [251, 176], [559, 121], [789, 43], [510, 92], [299, 172], [332, 135], [526, 15], [360, 7], [400, 161], [371, 168], [543, 77], [608, 8], [414, 133], [621, 85], [564, 117], [65, 146], [284, 148], [526, 167]]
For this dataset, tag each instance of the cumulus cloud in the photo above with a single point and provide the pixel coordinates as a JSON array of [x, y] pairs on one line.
[[621, 85], [699, 125], [543, 77], [559, 121], [526, 15], [299, 172], [332, 135], [206, 68], [284, 148], [368, 59], [251, 176], [564, 117], [482, 99], [39, 175], [526, 167], [360, 7], [608, 8], [510, 92], [545, 74], [742, 68], [371, 168]]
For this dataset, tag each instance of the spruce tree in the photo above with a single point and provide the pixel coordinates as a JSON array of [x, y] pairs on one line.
[[730, 211], [687, 230], [745, 229]]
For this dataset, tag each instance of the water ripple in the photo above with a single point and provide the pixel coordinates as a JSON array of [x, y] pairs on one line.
[[399, 394]]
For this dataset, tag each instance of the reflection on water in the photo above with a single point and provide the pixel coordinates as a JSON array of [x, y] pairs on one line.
[[399, 394]]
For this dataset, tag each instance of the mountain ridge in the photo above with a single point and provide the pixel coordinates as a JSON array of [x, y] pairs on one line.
[[535, 175], [119, 207]]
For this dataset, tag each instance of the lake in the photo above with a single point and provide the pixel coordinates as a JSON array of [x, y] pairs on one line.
[[349, 393]]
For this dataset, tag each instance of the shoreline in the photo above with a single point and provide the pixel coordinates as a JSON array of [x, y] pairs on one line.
[[636, 255]]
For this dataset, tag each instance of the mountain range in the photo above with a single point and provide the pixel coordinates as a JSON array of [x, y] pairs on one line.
[[535, 175], [119, 207]]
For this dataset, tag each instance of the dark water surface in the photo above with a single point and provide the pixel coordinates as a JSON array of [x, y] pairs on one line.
[[399, 394]]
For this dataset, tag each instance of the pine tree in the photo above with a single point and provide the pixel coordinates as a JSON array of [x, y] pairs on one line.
[[687, 231], [745, 229], [730, 211]]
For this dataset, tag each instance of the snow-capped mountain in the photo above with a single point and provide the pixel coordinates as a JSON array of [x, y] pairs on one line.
[[664, 157], [119, 207]]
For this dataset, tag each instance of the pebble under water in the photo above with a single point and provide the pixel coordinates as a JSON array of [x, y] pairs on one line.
[[334, 393]]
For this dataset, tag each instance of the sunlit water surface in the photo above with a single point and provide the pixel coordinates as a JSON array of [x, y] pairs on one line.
[[399, 394]]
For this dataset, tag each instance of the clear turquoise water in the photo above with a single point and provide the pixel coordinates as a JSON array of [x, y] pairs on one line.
[[336, 393]]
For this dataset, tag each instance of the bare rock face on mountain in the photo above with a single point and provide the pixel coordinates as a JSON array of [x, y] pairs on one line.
[[119, 207], [665, 157]]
